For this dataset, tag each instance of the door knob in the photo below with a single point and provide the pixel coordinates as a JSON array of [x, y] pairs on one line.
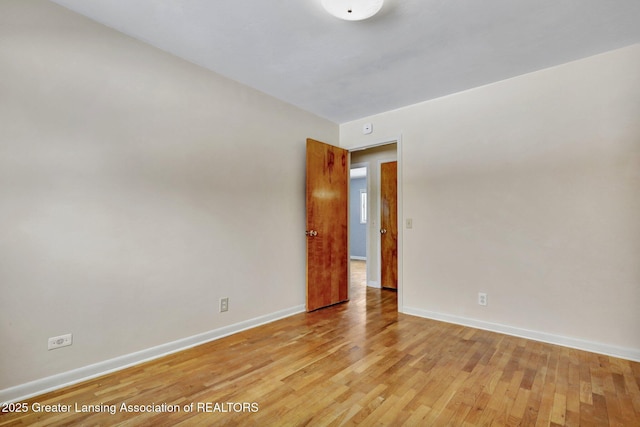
[[383, 230], [311, 233]]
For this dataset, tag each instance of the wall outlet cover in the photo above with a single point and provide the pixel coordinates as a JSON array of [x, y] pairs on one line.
[[59, 341]]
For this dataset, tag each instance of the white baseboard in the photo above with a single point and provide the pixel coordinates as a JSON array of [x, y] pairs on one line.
[[373, 284], [594, 347], [358, 258], [54, 382]]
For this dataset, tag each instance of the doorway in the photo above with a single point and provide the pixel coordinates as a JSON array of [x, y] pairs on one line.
[[327, 231], [372, 158], [358, 219]]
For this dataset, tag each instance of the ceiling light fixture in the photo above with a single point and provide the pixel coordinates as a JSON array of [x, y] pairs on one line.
[[352, 10]]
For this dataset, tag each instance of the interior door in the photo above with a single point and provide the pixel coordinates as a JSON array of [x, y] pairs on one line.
[[327, 222], [389, 224]]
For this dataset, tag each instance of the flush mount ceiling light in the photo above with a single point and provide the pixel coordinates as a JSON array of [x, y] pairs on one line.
[[352, 10]]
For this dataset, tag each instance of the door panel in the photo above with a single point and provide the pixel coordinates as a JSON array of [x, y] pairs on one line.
[[389, 224], [327, 222]]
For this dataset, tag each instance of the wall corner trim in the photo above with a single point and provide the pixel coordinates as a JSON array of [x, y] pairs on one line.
[[64, 379], [632, 354]]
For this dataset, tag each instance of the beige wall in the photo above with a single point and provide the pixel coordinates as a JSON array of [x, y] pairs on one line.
[[136, 190], [529, 190]]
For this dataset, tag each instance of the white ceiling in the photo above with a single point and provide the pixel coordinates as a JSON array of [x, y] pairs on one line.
[[412, 51]]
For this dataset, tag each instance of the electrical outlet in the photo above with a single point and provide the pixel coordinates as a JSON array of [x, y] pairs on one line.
[[482, 298], [59, 341], [224, 304]]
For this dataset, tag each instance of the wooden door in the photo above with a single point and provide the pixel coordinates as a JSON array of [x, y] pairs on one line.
[[327, 222], [389, 224]]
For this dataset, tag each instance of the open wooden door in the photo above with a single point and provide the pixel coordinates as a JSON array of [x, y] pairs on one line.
[[327, 222], [389, 224]]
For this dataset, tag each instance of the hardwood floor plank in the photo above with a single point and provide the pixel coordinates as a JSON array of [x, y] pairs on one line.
[[559, 409], [360, 363], [519, 407]]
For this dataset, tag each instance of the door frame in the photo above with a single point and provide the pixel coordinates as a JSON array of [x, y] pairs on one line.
[[364, 146]]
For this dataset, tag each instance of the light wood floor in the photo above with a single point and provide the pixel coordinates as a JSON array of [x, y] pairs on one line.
[[363, 363]]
